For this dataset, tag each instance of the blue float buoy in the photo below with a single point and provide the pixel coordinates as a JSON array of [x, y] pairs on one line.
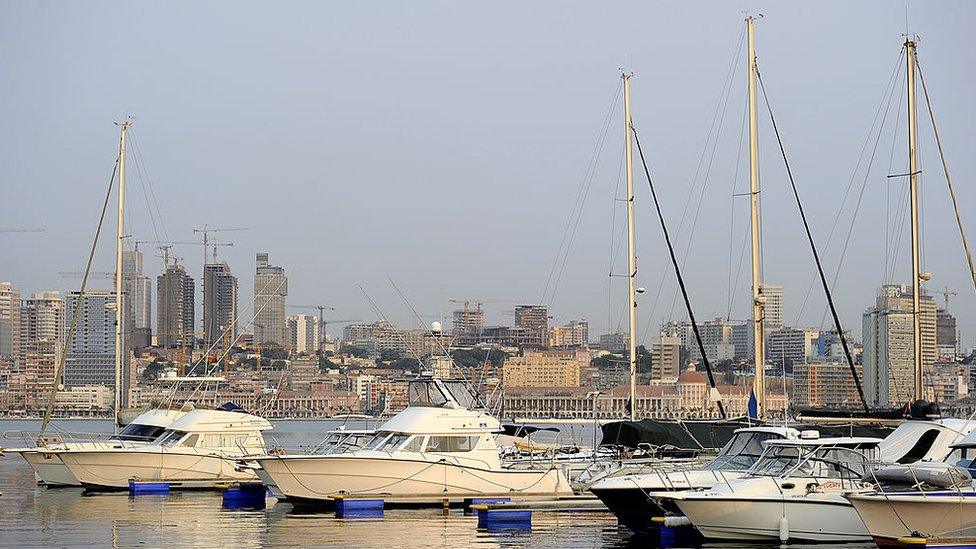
[[358, 508], [136, 488], [482, 501], [248, 495], [503, 519]]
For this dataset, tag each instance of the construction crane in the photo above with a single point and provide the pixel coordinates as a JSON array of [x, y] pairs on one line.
[[946, 294], [78, 274], [22, 230], [206, 230], [322, 323]]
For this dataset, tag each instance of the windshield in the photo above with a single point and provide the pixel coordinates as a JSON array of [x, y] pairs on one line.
[[377, 440], [425, 393], [170, 437], [821, 462], [741, 452], [137, 432], [339, 442]]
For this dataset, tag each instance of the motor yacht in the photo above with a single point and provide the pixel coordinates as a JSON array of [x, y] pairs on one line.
[[199, 450], [935, 501], [50, 470], [794, 492], [442, 446], [632, 497]]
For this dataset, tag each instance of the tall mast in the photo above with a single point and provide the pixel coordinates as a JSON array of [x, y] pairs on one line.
[[758, 299], [118, 274], [631, 247], [913, 191]]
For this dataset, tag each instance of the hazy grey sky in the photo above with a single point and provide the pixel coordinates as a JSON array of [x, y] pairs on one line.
[[442, 144]]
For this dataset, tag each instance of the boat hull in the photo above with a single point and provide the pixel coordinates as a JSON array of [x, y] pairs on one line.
[[809, 519], [49, 469], [319, 478], [114, 470], [941, 515]]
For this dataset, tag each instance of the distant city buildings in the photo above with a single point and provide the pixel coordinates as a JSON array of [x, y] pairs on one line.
[[545, 368], [576, 333], [791, 345], [946, 334], [533, 320], [41, 320], [468, 325], [825, 384], [773, 309], [270, 291], [665, 357], [174, 308], [137, 291], [303, 334], [889, 352], [91, 353], [219, 305], [10, 322]]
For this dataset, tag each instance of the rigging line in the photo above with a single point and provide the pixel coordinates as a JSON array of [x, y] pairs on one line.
[[140, 172], [879, 116], [727, 96], [582, 191], [69, 337], [613, 251], [813, 246], [735, 181], [891, 247], [677, 271], [152, 193], [945, 170]]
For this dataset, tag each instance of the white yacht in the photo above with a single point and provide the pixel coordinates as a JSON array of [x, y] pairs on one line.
[[794, 492], [199, 450], [936, 501], [51, 471], [632, 497], [442, 446]]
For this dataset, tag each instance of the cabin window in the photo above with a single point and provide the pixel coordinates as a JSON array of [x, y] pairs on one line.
[[452, 444], [137, 432], [377, 441], [416, 444], [393, 442], [170, 437], [190, 440]]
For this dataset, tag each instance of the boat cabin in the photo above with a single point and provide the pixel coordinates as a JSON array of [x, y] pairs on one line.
[[841, 459], [147, 426], [745, 447], [235, 432]]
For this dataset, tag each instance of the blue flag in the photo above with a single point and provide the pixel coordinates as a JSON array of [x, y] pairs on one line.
[[753, 405]]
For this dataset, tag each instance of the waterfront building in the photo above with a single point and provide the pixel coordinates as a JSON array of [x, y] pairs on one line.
[[534, 321], [889, 352], [41, 319], [303, 333], [90, 356], [825, 384], [174, 308], [219, 305], [10, 322], [576, 333], [545, 368], [270, 291]]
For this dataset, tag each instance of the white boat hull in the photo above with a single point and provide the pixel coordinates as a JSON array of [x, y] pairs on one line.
[[48, 468], [115, 469], [940, 515], [808, 518], [318, 478]]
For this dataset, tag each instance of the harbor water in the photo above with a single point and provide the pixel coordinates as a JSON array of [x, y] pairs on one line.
[[35, 516]]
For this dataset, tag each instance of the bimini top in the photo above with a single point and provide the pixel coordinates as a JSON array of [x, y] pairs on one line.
[[219, 421], [158, 417]]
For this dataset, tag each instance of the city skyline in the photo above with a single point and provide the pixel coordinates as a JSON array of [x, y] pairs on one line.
[[481, 217]]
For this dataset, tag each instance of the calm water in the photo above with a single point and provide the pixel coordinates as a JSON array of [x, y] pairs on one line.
[[33, 516]]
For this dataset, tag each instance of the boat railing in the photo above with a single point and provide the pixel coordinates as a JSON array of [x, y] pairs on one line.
[[38, 439], [917, 483]]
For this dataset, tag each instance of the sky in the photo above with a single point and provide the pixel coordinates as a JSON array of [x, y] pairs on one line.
[[445, 146]]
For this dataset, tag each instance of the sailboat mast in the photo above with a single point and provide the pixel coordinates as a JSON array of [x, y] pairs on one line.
[[758, 299], [631, 247], [119, 234], [913, 191]]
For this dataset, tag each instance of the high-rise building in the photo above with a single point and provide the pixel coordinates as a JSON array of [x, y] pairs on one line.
[[304, 333], [91, 352], [792, 344], [617, 342], [468, 324], [219, 305], [41, 319], [773, 311], [174, 308], [825, 384], [665, 357], [10, 322], [889, 345], [946, 334], [534, 320], [270, 289], [716, 336], [137, 289], [743, 343]]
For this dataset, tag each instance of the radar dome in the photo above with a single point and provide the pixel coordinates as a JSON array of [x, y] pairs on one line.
[[435, 327]]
